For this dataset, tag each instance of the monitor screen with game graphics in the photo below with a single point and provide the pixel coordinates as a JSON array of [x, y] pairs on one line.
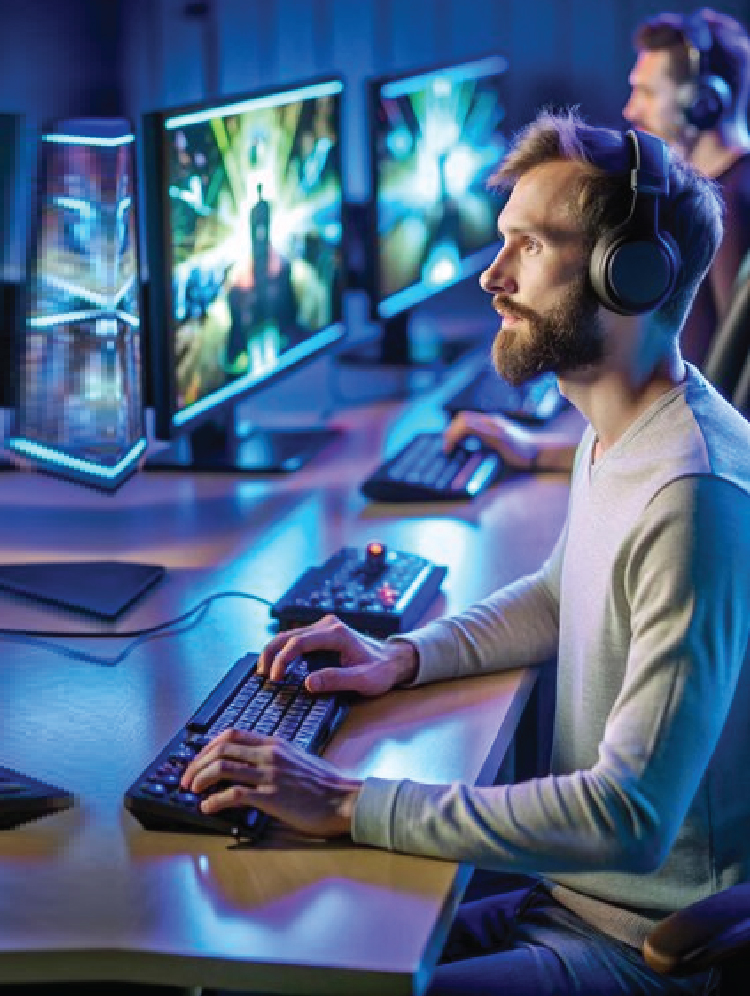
[[436, 138], [80, 412], [244, 232]]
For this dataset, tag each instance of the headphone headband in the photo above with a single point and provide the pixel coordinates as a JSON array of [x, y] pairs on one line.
[[649, 164], [713, 95], [634, 268]]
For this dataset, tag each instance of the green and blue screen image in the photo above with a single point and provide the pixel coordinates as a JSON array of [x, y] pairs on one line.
[[437, 140], [254, 239]]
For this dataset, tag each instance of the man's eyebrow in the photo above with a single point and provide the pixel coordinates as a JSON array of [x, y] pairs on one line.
[[558, 234]]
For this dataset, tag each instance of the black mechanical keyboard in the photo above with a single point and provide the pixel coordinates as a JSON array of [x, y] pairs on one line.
[[381, 592], [423, 471], [242, 700], [23, 798], [537, 401]]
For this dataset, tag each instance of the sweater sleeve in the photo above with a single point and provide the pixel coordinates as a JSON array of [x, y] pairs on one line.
[[514, 627], [684, 570]]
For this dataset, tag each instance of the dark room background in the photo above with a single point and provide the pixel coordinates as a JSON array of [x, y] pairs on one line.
[[75, 58]]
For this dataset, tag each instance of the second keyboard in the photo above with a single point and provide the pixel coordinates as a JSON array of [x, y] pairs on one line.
[[423, 471]]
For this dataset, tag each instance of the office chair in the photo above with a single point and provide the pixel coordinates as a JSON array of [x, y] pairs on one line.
[[711, 932], [741, 396], [728, 352]]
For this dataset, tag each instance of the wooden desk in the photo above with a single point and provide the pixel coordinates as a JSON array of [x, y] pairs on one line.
[[89, 894]]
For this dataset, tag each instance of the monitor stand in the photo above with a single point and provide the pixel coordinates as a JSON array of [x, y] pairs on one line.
[[410, 343], [101, 588], [216, 447]]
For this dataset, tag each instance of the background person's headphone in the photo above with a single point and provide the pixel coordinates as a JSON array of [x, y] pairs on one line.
[[712, 96], [633, 268]]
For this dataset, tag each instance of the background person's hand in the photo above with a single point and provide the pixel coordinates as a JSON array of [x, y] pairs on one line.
[[367, 666], [517, 445], [520, 448]]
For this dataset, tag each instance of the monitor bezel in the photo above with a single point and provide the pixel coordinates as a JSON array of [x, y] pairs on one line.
[[31, 454], [159, 256], [482, 257]]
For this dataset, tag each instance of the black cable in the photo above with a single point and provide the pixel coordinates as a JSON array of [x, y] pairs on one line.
[[138, 636]]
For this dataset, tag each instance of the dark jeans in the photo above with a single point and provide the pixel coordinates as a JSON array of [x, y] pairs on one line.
[[525, 943]]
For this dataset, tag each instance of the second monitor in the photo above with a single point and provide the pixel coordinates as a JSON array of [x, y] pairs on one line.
[[436, 138], [244, 204]]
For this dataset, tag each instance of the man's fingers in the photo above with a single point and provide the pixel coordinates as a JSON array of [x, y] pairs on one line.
[[326, 634], [233, 797], [354, 678], [232, 745]]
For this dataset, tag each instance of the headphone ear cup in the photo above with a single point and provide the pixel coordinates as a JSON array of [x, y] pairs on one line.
[[633, 275], [712, 99]]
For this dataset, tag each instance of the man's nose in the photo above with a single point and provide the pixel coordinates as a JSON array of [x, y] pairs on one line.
[[630, 110], [497, 278]]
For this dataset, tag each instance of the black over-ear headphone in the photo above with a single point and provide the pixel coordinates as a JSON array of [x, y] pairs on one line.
[[634, 267], [713, 95]]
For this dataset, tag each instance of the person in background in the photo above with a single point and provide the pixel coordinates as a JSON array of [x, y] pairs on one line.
[[689, 86], [644, 602]]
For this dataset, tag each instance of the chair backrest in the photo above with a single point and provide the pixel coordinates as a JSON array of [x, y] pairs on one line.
[[728, 352], [741, 396], [712, 932]]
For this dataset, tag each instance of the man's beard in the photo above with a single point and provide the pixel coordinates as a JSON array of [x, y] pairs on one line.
[[567, 338]]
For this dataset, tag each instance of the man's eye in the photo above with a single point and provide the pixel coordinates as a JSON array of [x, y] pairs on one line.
[[533, 245]]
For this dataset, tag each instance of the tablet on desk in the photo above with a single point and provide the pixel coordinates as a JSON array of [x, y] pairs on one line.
[[102, 588]]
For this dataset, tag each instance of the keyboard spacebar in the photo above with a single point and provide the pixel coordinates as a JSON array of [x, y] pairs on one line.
[[204, 716]]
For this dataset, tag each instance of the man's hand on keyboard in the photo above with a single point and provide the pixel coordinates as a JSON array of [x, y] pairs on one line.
[[368, 666], [248, 769]]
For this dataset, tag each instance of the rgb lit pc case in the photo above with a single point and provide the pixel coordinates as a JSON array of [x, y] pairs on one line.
[[11, 130], [244, 232], [80, 409], [436, 138]]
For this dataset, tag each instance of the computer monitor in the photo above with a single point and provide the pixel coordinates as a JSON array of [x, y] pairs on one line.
[[80, 412], [246, 268], [436, 137]]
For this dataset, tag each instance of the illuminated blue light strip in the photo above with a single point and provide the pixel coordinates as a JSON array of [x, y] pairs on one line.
[[481, 475], [69, 288], [120, 294], [74, 203], [412, 589], [410, 296], [66, 318], [456, 74], [298, 352], [107, 143], [107, 301], [71, 317], [39, 452], [254, 103], [130, 320]]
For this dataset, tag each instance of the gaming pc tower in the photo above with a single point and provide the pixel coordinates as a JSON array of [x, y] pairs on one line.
[[79, 410]]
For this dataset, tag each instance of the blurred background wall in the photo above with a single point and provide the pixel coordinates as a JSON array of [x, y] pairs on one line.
[[63, 58]]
